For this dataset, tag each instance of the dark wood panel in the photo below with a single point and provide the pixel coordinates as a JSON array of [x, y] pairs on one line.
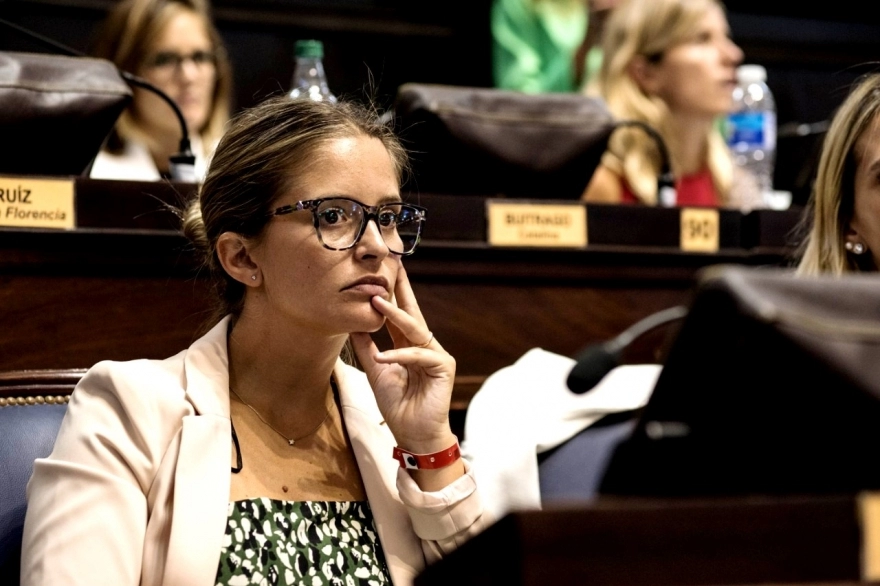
[[74, 321], [65, 311], [489, 326], [754, 540], [69, 299]]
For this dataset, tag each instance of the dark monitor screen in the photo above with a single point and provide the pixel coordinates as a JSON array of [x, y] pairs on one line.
[[771, 386]]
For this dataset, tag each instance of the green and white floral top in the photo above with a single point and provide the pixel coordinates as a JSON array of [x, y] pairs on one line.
[[311, 543]]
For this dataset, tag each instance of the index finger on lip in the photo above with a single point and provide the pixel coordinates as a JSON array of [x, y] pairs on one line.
[[410, 326], [406, 299]]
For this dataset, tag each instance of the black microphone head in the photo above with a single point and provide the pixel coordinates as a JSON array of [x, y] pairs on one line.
[[592, 365]]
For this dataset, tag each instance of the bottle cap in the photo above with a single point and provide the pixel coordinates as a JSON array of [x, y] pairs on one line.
[[309, 48], [751, 73]]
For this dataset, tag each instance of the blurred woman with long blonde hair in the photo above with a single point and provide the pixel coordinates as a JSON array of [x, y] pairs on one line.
[[843, 214], [672, 65]]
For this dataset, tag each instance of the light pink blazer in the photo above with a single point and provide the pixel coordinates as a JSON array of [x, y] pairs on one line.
[[136, 489]]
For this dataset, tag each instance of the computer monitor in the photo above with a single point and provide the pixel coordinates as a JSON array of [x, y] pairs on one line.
[[771, 386]]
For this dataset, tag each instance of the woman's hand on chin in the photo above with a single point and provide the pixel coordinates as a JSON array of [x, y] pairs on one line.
[[413, 381]]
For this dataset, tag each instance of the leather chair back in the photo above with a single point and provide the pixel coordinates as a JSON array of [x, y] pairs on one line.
[[56, 111], [500, 143], [32, 405]]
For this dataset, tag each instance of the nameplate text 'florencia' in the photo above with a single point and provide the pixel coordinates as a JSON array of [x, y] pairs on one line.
[[36, 203]]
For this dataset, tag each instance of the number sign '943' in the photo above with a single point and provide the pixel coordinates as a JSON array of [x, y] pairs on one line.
[[699, 229]]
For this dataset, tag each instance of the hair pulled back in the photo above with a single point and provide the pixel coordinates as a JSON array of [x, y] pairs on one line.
[[257, 160]]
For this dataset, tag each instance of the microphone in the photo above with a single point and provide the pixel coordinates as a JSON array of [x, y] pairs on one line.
[[666, 193], [593, 363], [183, 163]]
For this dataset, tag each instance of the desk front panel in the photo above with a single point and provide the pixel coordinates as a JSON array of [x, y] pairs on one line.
[[70, 299]]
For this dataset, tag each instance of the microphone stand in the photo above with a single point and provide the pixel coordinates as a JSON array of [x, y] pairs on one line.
[[666, 194], [598, 360], [183, 162]]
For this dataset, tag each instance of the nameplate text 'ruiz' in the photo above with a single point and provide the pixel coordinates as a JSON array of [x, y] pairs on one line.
[[36, 203]]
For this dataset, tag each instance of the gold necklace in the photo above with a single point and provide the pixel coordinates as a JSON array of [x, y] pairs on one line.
[[290, 440]]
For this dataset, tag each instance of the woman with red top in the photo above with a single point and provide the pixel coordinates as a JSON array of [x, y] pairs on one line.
[[670, 64]]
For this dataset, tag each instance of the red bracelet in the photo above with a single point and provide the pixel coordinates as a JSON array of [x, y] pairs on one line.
[[433, 461]]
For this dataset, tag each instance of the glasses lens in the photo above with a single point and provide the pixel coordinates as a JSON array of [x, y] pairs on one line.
[[164, 60], [339, 221], [203, 58], [169, 60], [401, 225]]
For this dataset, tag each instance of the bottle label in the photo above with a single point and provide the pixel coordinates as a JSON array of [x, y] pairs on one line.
[[747, 130]]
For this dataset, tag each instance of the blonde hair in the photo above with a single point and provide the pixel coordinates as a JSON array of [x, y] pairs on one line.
[[257, 160], [830, 208], [125, 38], [648, 28]]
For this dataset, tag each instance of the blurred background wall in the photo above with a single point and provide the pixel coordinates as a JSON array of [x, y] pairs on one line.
[[812, 52]]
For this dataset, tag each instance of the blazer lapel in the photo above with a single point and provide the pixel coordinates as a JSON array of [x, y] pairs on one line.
[[201, 498], [202, 475], [373, 443]]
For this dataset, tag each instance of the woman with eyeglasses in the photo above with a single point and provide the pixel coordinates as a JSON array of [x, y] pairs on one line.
[[173, 45], [259, 454]]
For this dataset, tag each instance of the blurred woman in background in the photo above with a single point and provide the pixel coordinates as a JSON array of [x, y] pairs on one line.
[[546, 45], [173, 45], [843, 215], [672, 65]]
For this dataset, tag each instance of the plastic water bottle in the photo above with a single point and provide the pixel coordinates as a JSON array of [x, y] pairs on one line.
[[309, 80], [751, 126]]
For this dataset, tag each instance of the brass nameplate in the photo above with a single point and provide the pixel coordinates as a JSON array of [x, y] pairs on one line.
[[36, 203], [537, 224], [869, 518], [699, 229]]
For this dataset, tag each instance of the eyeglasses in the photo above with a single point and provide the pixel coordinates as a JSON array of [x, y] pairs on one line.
[[341, 222], [168, 61]]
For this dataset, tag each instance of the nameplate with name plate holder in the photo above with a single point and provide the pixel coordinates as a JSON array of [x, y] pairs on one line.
[[515, 223], [700, 230], [27, 202], [869, 521]]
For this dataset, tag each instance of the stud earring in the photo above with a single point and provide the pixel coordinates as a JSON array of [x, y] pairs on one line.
[[855, 247], [254, 277]]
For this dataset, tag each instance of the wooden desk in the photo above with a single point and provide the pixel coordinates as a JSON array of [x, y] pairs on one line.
[[124, 285], [630, 542]]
